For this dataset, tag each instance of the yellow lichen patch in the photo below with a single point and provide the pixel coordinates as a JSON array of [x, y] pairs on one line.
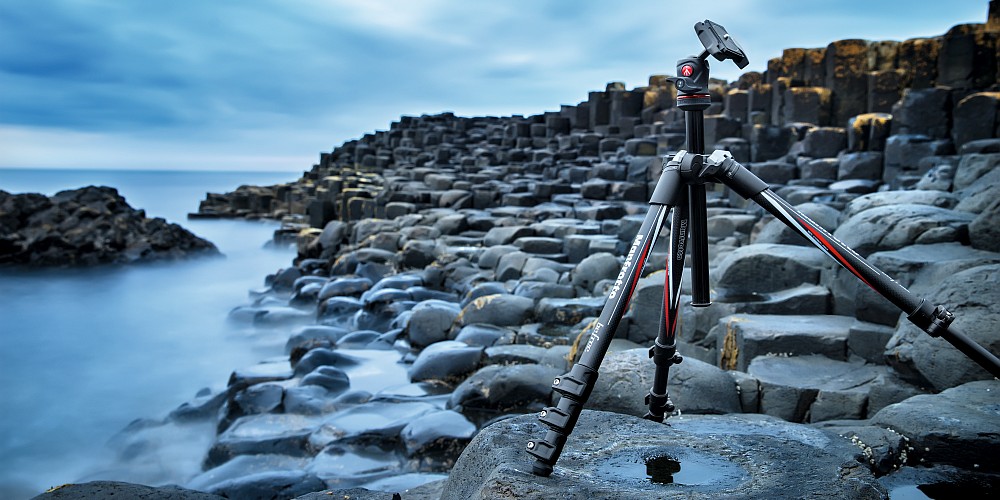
[[575, 348], [54, 488], [730, 350]]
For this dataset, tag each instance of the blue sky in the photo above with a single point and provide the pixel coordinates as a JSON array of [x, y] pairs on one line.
[[268, 84]]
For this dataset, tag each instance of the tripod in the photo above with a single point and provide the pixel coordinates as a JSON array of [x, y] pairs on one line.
[[681, 188]]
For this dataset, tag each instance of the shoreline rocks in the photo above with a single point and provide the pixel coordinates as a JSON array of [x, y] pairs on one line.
[[468, 257], [88, 226]]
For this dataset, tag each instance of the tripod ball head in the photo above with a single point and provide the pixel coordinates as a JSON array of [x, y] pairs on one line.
[[719, 44]]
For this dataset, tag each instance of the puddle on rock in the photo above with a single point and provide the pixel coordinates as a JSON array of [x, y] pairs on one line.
[[679, 467]]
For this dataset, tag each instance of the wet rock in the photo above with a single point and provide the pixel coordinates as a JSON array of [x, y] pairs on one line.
[[505, 389], [947, 428], [268, 371], [694, 386], [744, 456], [341, 287], [498, 310], [374, 422], [260, 398], [743, 337], [922, 357], [482, 335], [344, 466], [270, 484], [311, 337], [322, 357], [447, 362], [430, 322], [244, 466], [331, 378], [308, 400], [360, 339], [506, 235], [442, 435], [282, 317], [263, 434]]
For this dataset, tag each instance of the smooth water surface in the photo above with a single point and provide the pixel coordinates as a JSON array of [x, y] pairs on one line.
[[83, 352]]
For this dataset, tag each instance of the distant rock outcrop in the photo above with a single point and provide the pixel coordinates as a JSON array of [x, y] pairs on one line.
[[88, 226]]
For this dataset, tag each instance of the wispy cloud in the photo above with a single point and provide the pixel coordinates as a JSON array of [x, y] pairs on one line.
[[201, 77]]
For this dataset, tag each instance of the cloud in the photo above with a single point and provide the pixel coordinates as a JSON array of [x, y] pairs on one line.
[[317, 72]]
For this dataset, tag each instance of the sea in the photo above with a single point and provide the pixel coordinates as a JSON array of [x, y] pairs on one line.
[[85, 352]]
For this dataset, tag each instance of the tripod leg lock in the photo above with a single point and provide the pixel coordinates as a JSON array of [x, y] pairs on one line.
[[934, 320], [665, 355], [660, 406]]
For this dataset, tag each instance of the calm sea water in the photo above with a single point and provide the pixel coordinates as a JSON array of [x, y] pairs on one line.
[[85, 352]]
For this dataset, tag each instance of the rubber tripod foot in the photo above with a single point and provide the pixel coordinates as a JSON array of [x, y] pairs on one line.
[[541, 469]]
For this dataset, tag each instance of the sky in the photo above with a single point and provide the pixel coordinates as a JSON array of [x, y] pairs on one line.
[[269, 84]]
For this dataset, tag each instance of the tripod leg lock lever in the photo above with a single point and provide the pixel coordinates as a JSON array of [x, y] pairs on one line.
[[934, 320], [660, 406]]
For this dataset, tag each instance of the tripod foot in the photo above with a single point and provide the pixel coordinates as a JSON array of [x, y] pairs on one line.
[[541, 469]]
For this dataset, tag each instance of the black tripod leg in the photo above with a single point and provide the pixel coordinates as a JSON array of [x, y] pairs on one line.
[[664, 350], [575, 387], [934, 320]]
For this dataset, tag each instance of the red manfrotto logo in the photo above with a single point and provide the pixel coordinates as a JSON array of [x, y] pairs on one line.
[[687, 70]]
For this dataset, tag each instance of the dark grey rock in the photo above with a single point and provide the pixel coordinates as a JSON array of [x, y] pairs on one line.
[[515, 388], [491, 256], [443, 434], [308, 400], [973, 166], [694, 386], [514, 354], [595, 268], [322, 357], [868, 340], [767, 267], [568, 311], [973, 297], [887, 198], [448, 362], [746, 456], [824, 142], [862, 165], [499, 310], [282, 434], [813, 388], [270, 484], [984, 230], [88, 226], [244, 466], [376, 422], [891, 227], [310, 337], [976, 197], [331, 378], [506, 235], [482, 335], [260, 398], [950, 427], [430, 322], [743, 337], [98, 490]]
